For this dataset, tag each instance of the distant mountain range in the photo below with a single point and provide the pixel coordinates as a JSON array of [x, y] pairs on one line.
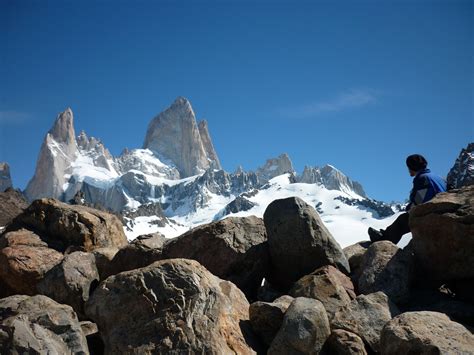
[[176, 181]]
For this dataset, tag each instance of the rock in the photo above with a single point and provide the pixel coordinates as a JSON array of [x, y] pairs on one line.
[[12, 203], [275, 167], [355, 253], [68, 225], [342, 342], [5, 178], [328, 285], [233, 249], [387, 268], [425, 333], [38, 325], [366, 316], [72, 281], [207, 144], [143, 251], [304, 330], [175, 136], [239, 204], [443, 235], [298, 242], [24, 260], [267, 293], [56, 154], [266, 318], [103, 260], [462, 172], [171, 306]]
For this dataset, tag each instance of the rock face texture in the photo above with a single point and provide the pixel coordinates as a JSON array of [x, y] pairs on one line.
[[425, 333], [70, 282], [24, 261], [304, 330], [462, 173], [233, 249], [208, 146], [355, 254], [275, 167], [172, 306], [366, 317], [66, 225], [12, 203], [38, 325], [58, 150], [342, 342], [328, 285], [443, 235], [331, 178], [299, 242], [387, 268], [266, 318], [174, 135], [5, 178]]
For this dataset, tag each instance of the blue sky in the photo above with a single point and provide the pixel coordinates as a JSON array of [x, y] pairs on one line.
[[356, 84]]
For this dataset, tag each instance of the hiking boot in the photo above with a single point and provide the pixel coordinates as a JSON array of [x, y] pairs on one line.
[[375, 235]]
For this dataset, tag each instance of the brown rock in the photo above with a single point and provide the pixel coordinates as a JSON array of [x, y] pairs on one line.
[[233, 249], [328, 285], [355, 253], [68, 225], [443, 235], [12, 203], [24, 260], [342, 342], [425, 333], [172, 305]]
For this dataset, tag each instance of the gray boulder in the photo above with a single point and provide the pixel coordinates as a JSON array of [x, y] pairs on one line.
[[355, 254], [38, 325], [72, 281], [304, 330], [298, 242], [170, 306], [266, 318], [366, 317], [387, 268], [103, 260], [71, 225], [342, 342], [443, 235], [143, 251], [12, 203], [233, 249], [425, 333], [328, 285], [24, 261]]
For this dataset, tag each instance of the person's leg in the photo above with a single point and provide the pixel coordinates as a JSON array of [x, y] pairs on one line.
[[397, 229]]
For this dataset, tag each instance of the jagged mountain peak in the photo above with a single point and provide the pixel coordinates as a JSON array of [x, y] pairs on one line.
[[462, 172], [63, 127], [275, 167], [5, 177], [175, 136]]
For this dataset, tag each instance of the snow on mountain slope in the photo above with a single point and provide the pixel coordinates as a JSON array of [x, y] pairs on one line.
[[348, 224]]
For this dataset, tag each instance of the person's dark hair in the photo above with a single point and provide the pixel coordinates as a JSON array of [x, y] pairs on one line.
[[416, 162]]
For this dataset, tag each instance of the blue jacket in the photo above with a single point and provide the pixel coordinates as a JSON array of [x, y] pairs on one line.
[[425, 186]]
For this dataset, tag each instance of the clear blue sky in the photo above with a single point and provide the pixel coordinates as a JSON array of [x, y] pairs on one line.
[[357, 84]]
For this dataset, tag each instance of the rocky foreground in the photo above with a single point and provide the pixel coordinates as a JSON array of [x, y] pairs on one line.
[[71, 283]]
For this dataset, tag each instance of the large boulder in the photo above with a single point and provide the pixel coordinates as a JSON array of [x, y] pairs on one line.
[[71, 281], [266, 318], [342, 342], [12, 203], [386, 267], [71, 225], [355, 254], [141, 252], [299, 243], [366, 317], [328, 285], [425, 333], [171, 305], [24, 260], [304, 330], [443, 235], [233, 249], [39, 325]]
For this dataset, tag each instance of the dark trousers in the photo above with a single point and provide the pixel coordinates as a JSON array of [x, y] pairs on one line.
[[397, 229]]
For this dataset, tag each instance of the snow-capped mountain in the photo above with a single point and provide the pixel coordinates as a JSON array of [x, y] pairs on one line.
[[175, 182], [462, 173]]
